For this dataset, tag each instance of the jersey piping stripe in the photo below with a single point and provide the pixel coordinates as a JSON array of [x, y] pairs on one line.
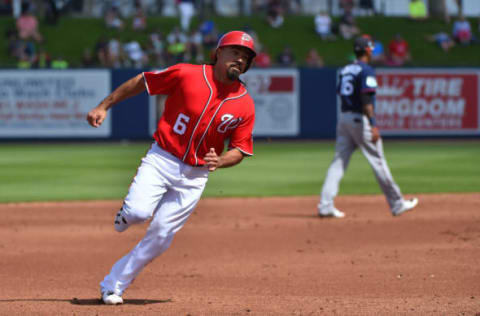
[[211, 120], [243, 151], [145, 82], [201, 115]]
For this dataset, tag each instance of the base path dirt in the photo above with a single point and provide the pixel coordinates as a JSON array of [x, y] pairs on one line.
[[255, 256]]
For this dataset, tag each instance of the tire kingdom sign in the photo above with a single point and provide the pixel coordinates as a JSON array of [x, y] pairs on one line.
[[427, 102]]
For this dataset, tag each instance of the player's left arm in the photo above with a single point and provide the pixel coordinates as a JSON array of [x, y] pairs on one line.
[[241, 145], [227, 159]]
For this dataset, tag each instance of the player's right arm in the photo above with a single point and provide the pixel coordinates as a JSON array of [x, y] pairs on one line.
[[367, 94], [128, 89]]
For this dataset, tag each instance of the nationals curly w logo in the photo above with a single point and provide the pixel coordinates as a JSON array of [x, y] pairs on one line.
[[228, 122]]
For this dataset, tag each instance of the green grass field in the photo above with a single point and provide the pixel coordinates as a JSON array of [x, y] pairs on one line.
[[79, 171]]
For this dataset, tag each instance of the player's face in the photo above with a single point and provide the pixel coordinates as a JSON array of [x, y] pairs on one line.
[[368, 53], [234, 59]]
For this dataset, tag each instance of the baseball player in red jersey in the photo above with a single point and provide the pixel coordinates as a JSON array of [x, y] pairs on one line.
[[206, 105]]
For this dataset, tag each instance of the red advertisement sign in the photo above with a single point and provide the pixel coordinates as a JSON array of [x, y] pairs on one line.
[[421, 102]]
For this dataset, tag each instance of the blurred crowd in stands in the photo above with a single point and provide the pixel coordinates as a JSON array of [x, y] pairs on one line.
[[184, 43], [25, 43], [188, 43], [397, 52], [181, 44]]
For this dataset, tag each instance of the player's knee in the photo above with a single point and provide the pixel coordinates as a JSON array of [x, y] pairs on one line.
[[162, 230], [136, 214], [163, 240]]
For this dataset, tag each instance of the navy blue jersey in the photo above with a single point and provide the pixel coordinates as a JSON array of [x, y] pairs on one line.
[[355, 78]]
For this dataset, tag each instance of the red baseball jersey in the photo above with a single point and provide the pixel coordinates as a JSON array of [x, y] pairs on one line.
[[201, 112]]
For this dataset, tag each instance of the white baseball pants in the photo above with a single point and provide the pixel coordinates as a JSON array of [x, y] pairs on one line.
[[166, 190]]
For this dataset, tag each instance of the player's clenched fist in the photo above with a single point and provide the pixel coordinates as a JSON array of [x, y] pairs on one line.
[[212, 160], [96, 117]]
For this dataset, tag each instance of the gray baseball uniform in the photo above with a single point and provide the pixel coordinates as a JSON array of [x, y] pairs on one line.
[[354, 131]]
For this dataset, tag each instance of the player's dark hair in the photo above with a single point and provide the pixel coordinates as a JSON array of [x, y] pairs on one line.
[[360, 53]]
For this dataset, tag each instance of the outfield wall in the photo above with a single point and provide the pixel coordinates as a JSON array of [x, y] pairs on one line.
[[290, 103]]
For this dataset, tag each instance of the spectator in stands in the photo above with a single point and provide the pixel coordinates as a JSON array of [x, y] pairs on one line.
[[462, 32], [88, 60], [134, 54], [42, 60], [186, 9], [346, 5], [206, 27], [263, 59], [195, 47], [367, 7], [398, 51], [115, 54], [293, 6], [177, 35], [286, 58], [24, 62], [209, 34], [208, 41], [27, 25], [323, 26], [59, 63], [442, 39], [26, 51], [176, 46], [378, 53], [101, 52], [51, 12], [14, 43], [348, 27], [417, 10], [113, 19], [313, 59], [156, 48], [259, 6], [139, 20], [275, 13]]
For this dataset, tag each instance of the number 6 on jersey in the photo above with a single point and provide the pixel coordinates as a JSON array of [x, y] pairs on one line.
[[181, 124], [347, 87]]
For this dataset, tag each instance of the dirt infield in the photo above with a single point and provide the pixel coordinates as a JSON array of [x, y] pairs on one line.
[[258, 256]]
